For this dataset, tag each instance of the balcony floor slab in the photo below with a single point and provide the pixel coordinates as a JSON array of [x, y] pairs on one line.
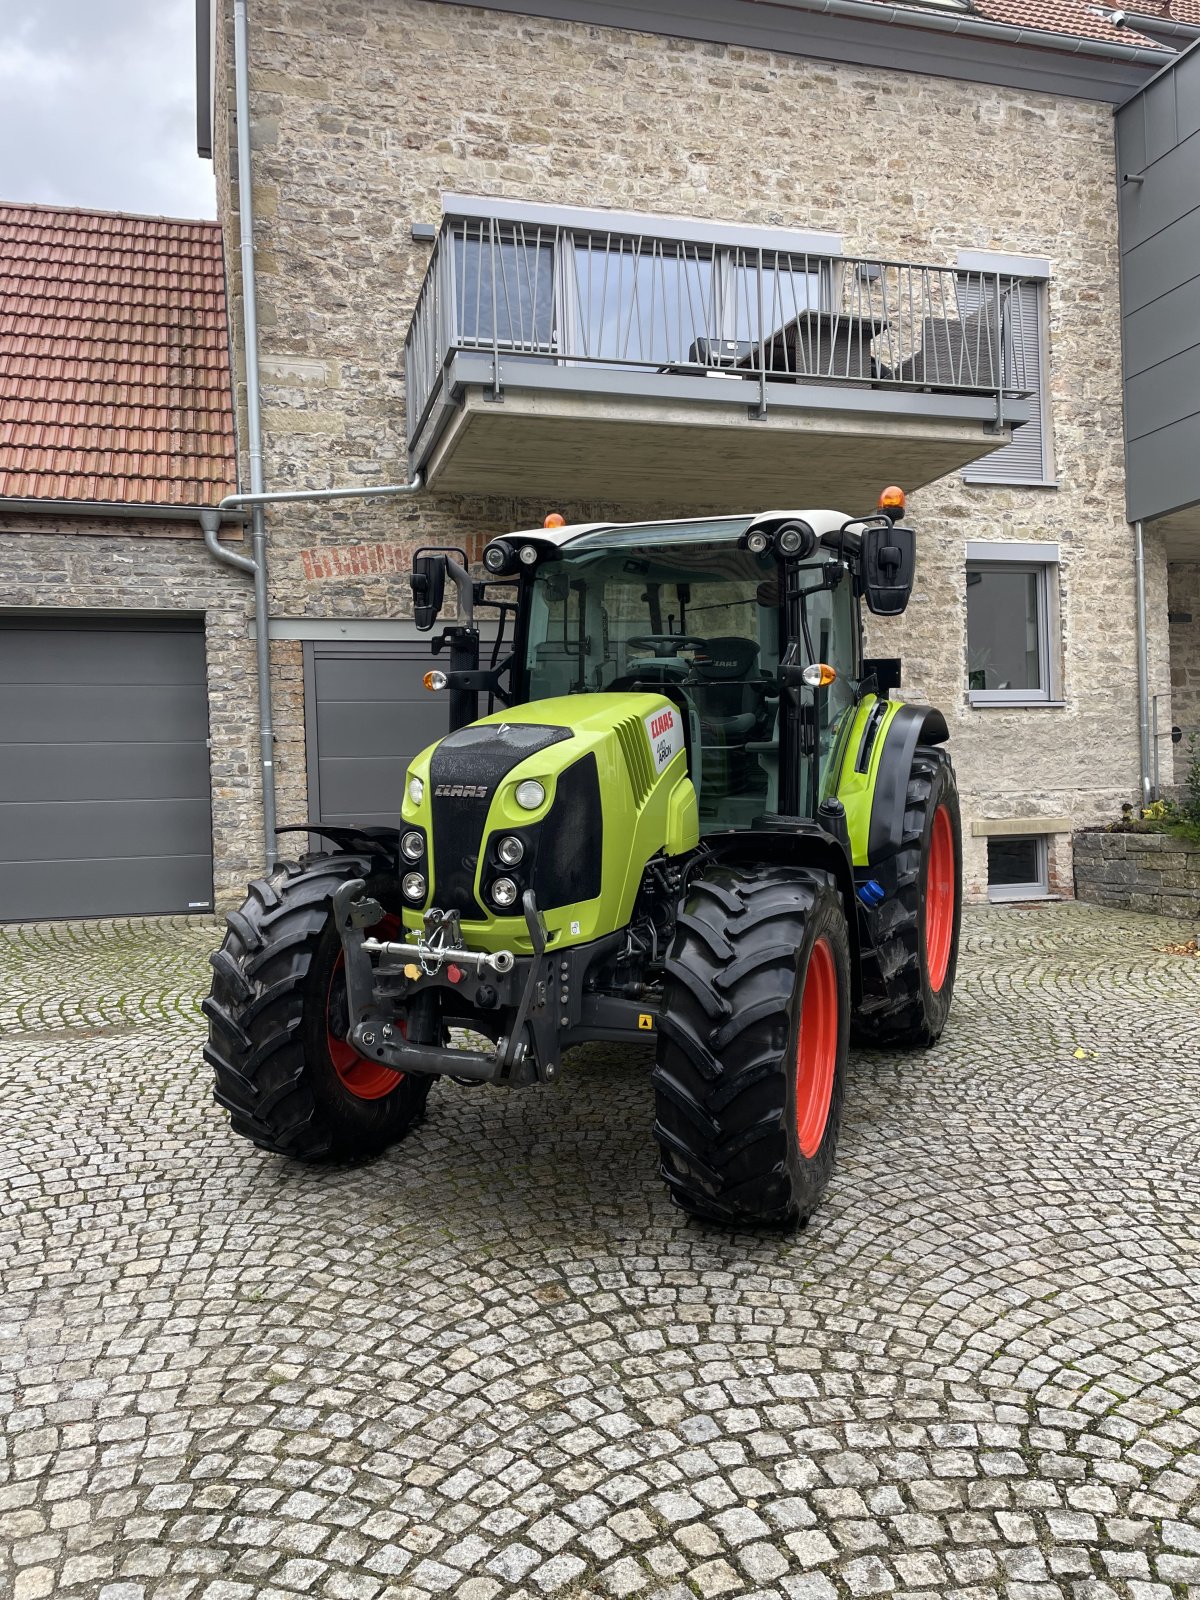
[[691, 452]]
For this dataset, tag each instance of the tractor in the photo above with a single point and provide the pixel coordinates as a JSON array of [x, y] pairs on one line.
[[693, 818]]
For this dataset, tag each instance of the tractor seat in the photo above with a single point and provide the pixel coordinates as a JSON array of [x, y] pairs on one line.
[[730, 696], [725, 686]]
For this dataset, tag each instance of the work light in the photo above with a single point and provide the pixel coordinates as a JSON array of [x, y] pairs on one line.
[[413, 846], [510, 851], [413, 884], [504, 892]]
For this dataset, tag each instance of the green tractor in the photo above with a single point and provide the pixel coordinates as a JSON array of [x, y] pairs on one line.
[[694, 818]]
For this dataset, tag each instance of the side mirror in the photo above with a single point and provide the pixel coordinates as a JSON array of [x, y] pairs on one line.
[[889, 565], [428, 580]]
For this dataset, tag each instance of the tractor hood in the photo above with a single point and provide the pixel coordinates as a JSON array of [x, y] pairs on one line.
[[589, 786]]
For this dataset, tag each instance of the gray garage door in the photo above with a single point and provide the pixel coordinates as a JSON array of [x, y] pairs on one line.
[[367, 715], [104, 785]]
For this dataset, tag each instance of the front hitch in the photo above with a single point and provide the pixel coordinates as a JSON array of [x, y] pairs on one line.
[[372, 1030]]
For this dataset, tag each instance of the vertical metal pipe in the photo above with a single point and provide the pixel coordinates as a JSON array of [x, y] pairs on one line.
[[1143, 666], [258, 530]]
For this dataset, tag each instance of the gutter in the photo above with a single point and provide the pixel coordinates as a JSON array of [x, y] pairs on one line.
[[107, 508], [930, 20]]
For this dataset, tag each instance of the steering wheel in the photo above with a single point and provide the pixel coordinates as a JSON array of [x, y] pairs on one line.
[[664, 645]]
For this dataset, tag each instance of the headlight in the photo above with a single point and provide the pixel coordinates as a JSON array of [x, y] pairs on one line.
[[413, 884], [504, 892], [413, 846], [530, 794], [510, 851], [416, 791]]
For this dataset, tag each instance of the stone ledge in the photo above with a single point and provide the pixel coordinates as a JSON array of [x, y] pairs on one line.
[[1138, 872]]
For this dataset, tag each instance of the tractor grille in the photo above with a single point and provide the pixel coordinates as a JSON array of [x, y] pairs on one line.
[[632, 736], [463, 774]]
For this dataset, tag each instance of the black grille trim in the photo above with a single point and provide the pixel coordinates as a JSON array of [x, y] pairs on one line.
[[570, 849], [474, 759]]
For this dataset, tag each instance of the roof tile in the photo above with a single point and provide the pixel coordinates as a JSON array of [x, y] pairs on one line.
[[114, 358]]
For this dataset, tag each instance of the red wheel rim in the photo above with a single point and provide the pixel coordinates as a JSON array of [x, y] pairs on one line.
[[816, 1049], [939, 899], [364, 1078]]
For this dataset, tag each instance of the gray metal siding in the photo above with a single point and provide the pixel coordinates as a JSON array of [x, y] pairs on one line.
[[368, 714], [1158, 140], [104, 771]]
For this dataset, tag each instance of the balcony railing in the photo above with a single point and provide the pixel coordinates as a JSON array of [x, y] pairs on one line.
[[559, 294]]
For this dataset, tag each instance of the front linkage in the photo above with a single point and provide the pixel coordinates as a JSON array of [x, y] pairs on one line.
[[402, 997]]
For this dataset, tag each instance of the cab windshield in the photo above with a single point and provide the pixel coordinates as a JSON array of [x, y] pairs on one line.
[[702, 620]]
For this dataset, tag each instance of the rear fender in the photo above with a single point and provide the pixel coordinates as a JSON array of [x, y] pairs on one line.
[[802, 844]]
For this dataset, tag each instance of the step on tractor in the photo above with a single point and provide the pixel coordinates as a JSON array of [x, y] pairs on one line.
[[694, 820]]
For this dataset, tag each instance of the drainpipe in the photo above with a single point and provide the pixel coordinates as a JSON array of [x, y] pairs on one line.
[[1143, 665], [258, 530], [257, 499]]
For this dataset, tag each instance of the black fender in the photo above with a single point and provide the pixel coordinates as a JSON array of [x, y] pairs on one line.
[[911, 726], [799, 843], [384, 843]]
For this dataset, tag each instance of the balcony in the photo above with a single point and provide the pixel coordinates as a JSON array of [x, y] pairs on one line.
[[579, 356]]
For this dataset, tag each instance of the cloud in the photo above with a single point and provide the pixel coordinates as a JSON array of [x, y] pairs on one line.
[[97, 107]]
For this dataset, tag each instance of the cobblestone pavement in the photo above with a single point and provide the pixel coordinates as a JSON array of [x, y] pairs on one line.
[[497, 1363]]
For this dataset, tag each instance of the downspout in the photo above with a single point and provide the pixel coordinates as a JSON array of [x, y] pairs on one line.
[[256, 498], [258, 529], [1143, 665]]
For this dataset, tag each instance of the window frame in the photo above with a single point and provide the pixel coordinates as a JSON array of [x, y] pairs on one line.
[[984, 471], [1043, 561], [1039, 888]]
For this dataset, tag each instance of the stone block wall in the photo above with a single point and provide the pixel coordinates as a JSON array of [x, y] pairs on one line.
[[1138, 872]]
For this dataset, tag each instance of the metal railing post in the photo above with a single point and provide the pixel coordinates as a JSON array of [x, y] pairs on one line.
[[497, 393], [762, 343]]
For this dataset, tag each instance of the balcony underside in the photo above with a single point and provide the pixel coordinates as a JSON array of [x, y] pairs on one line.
[[1179, 532], [692, 444]]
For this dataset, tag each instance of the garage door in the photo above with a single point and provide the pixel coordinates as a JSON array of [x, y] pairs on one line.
[[368, 714], [104, 782]]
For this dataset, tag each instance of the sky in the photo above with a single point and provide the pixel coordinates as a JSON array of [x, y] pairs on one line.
[[97, 106]]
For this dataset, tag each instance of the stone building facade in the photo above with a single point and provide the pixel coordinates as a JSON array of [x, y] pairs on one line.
[[361, 122]]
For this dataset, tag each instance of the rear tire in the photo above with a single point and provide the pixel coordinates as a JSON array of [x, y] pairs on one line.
[[921, 915], [276, 1016], [752, 1045]]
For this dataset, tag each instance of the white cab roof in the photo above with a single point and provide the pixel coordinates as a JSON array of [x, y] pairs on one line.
[[821, 522]]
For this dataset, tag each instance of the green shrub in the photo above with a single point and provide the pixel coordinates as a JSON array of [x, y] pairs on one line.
[[1190, 810]]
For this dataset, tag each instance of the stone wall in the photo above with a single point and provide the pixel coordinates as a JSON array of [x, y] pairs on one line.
[[363, 116], [1138, 872], [1183, 600]]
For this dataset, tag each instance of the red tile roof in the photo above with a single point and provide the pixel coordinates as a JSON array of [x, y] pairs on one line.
[[1081, 19], [114, 358]]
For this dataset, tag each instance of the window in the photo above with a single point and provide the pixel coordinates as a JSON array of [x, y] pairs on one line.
[[1029, 458], [1012, 624], [516, 304], [1018, 867]]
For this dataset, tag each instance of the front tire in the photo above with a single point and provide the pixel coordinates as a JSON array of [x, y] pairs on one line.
[[752, 1045], [277, 1022], [921, 914]]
